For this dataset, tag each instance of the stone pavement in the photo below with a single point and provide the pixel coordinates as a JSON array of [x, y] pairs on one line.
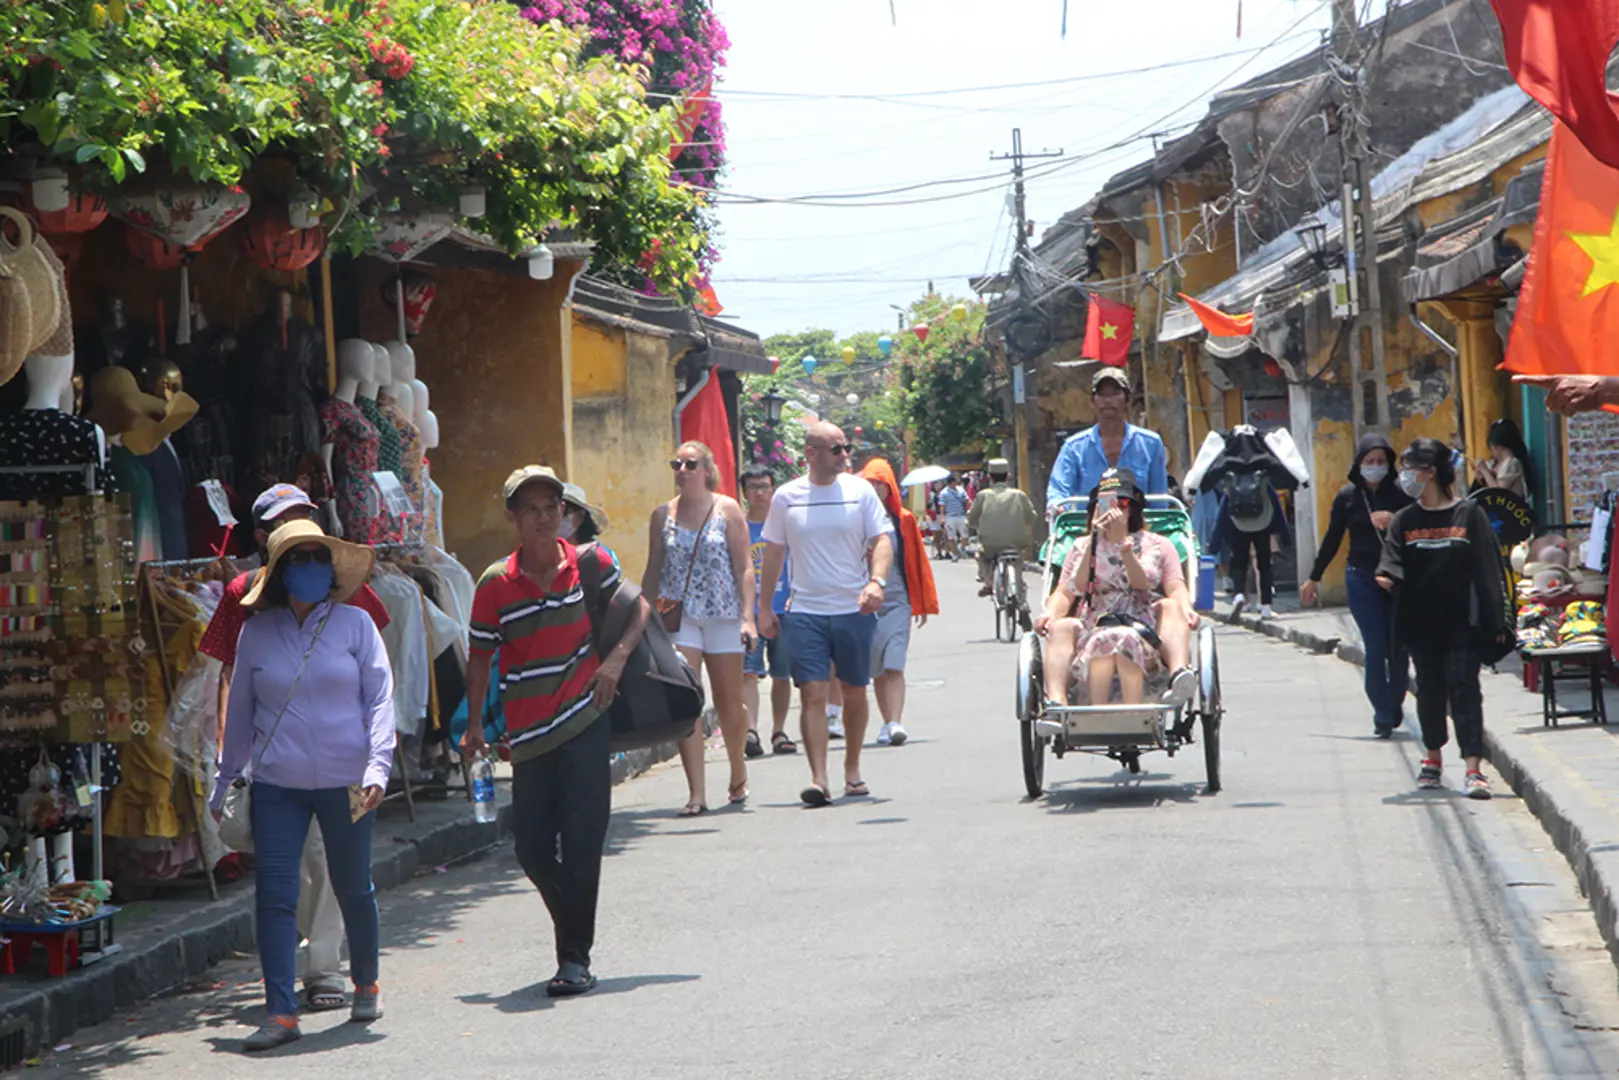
[[1568, 775]]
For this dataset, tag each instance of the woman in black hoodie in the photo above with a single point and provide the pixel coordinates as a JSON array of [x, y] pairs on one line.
[[1450, 607], [1363, 508]]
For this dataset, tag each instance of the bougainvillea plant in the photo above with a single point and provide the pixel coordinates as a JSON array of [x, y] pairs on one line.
[[401, 94]]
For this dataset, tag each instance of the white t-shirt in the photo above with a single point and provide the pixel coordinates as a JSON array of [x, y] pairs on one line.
[[827, 530]]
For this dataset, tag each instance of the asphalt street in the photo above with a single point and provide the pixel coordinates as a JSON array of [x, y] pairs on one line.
[[1320, 917]]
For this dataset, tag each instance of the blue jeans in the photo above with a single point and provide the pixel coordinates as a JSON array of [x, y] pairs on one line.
[[280, 826], [1386, 674], [815, 643]]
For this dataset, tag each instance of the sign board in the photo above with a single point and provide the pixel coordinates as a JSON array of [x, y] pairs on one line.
[[1509, 515], [393, 493], [1018, 385], [219, 502]]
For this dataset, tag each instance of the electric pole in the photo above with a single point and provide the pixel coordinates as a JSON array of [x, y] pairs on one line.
[[1359, 224], [1028, 457]]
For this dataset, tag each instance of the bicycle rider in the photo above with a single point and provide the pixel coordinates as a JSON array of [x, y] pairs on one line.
[[1005, 519]]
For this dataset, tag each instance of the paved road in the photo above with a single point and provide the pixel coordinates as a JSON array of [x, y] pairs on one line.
[[1319, 918]]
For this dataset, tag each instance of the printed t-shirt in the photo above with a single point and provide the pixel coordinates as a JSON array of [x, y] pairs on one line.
[[784, 586]]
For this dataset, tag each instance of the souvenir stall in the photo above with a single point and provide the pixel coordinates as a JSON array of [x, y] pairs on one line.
[[1562, 602]]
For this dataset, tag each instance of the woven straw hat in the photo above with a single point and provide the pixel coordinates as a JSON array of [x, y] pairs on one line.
[[31, 260], [144, 420], [352, 563]]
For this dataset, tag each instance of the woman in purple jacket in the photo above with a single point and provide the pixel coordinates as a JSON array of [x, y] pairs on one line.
[[310, 725]]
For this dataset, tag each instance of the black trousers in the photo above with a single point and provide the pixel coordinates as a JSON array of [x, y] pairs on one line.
[[560, 805], [1449, 676], [1259, 543]]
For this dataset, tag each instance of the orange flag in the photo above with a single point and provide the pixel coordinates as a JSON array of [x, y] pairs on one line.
[[1568, 307], [1217, 322]]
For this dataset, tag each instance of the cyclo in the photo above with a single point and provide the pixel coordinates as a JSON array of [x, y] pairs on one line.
[[1120, 732]]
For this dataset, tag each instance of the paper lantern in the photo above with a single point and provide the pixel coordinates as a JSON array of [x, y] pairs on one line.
[[402, 237], [153, 252], [852, 399], [810, 364], [958, 313], [847, 352], [186, 217], [885, 344], [420, 292], [775, 363], [268, 238], [878, 425], [84, 212], [859, 431], [1272, 368], [921, 330]]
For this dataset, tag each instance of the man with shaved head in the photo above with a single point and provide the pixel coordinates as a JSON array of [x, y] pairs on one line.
[[835, 529]]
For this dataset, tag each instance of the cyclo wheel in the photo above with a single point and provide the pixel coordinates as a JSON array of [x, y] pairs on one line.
[[1030, 695], [1210, 706]]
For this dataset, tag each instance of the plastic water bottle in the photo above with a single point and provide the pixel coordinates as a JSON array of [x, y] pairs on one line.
[[483, 791]]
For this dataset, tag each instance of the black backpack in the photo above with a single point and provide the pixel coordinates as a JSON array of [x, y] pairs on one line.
[[1246, 498]]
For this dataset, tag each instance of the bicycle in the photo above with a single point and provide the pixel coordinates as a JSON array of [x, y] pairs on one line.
[[1011, 609]]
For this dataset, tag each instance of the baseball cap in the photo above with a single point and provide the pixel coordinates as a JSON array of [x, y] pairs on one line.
[[529, 474], [1109, 374], [277, 500]]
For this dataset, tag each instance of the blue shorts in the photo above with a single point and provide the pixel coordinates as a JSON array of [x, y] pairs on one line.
[[817, 642], [769, 657]]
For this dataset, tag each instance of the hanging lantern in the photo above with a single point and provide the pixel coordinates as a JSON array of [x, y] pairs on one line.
[[878, 425], [153, 252], [852, 399], [775, 363], [885, 345], [958, 313], [185, 217], [810, 364], [420, 292], [269, 239], [815, 399], [921, 330], [1272, 368], [859, 432], [402, 237], [84, 211], [847, 352]]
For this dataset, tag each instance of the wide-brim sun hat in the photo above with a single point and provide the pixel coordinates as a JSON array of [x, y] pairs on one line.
[[351, 563], [141, 420], [574, 495]]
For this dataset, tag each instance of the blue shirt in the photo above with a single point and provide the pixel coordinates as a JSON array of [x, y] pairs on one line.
[[953, 501], [1081, 463], [784, 586], [339, 724]]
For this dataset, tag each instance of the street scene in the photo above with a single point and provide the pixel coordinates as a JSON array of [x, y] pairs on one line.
[[898, 539]]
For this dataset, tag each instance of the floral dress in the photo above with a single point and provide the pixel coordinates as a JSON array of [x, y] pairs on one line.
[[1111, 593], [710, 590], [354, 458]]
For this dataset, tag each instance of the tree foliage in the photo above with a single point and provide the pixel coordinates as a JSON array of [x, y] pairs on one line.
[[947, 404]]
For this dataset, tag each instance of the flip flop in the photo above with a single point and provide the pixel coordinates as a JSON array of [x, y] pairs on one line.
[[781, 744], [857, 790], [815, 796], [692, 809], [738, 795]]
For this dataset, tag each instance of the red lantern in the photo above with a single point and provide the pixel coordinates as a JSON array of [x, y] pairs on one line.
[[420, 291], [268, 238], [152, 251], [921, 330], [84, 212], [1272, 368]]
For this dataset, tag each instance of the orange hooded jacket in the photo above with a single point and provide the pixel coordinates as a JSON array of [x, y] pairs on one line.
[[918, 571]]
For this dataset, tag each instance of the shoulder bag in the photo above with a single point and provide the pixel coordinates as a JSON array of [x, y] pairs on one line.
[[236, 824], [671, 611]]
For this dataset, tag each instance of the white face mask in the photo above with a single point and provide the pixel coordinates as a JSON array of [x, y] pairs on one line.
[[1411, 482], [565, 530], [1374, 474]]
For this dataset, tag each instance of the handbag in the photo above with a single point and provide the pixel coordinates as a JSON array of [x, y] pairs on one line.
[[672, 611], [236, 821]]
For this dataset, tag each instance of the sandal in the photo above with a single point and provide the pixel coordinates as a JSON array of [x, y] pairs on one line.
[[781, 744], [692, 809], [753, 748], [816, 796], [324, 999], [737, 795], [856, 789]]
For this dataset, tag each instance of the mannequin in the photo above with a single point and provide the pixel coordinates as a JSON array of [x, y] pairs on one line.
[[350, 444], [398, 406], [432, 494], [388, 442], [41, 433]]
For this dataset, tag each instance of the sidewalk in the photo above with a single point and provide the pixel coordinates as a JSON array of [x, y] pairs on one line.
[[1568, 776], [174, 939]]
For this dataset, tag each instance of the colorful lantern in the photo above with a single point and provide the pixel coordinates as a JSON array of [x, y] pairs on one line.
[[958, 313], [847, 352], [921, 330], [268, 238], [859, 432], [885, 345], [775, 363], [810, 363], [852, 399], [84, 212], [185, 217], [878, 425], [153, 252], [402, 237], [420, 292]]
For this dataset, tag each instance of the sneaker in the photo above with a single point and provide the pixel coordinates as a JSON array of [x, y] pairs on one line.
[[1181, 688], [1476, 786], [1266, 611], [1430, 775], [892, 735], [834, 727], [277, 1031], [985, 591], [367, 1004], [1238, 602], [1382, 731]]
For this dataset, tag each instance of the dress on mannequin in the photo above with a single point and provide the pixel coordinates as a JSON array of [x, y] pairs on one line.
[[169, 493], [388, 445], [410, 463], [355, 444], [41, 434]]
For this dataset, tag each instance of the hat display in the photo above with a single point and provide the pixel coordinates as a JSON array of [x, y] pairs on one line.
[[574, 495], [122, 408], [31, 292], [1109, 374], [351, 563], [530, 474], [277, 500]]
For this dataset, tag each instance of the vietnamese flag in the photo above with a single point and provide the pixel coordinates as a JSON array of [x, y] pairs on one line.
[[1108, 326], [1217, 322], [1568, 307], [707, 421], [1558, 51]]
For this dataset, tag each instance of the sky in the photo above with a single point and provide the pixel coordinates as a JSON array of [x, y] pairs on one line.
[[811, 102]]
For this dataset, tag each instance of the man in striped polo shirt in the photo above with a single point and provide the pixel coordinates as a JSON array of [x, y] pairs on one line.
[[555, 690]]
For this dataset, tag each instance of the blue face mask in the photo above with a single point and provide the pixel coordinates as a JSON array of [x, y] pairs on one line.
[[309, 583]]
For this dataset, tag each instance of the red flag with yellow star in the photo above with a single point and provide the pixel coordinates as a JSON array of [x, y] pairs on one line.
[[1108, 326], [1568, 307]]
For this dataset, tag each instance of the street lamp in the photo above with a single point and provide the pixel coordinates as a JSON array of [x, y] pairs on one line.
[[1312, 234], [773, 403]]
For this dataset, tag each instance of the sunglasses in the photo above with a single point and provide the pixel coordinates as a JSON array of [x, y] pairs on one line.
[[689, 464], [839, 448], [304, 558]]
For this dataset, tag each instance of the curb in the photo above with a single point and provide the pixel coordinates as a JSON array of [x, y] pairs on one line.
[[97, 993], [1581, 828]]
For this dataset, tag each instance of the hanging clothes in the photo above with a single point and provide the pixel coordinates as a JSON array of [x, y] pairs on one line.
[[277, 386], [131, 477], [143, 805], [432, 509], [169, 493], [407, 640], [35, 437]]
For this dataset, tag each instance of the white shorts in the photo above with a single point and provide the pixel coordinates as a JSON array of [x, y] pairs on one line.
[[710, 636], [956, 528]]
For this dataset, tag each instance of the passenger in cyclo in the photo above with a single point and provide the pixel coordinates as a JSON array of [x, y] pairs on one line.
[[1121, 607]]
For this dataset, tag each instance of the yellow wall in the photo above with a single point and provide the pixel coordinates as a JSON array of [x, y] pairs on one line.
[[623, 430], [496, 355]]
